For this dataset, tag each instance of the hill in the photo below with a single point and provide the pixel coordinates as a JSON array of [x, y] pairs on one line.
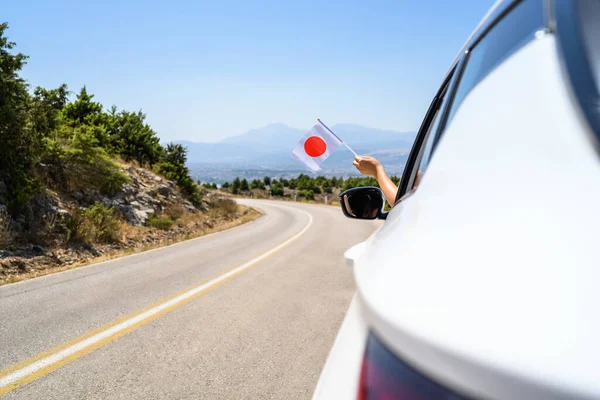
[[78, 181]]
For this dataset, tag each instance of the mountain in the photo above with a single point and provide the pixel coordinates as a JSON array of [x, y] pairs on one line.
[[268, 149], [269, 138], [273, 143]]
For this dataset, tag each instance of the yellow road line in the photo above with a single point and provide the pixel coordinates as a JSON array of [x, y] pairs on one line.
[[47, 361]]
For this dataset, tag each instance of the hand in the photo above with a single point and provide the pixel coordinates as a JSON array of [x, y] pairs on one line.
[[367, 165]]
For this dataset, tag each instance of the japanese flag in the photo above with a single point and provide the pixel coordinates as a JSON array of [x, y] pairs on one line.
[[315, 147]]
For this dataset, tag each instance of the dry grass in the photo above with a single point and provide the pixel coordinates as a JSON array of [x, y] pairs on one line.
[[130, 231], [174, 211]]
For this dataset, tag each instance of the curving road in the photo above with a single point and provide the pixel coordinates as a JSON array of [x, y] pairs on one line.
[[247, 313]]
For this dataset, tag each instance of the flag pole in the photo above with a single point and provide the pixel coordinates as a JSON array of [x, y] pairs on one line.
[[330, 131]]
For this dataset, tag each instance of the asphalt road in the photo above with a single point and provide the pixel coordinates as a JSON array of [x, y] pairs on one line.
[[262, 331]]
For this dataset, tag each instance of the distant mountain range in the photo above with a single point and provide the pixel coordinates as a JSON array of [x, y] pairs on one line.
[[270, 147]]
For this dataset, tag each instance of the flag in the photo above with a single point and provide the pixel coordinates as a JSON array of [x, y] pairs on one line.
[[316, 146]]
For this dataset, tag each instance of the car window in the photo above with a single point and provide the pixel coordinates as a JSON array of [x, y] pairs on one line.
[[423, 145], [505, 37], [578, 32]]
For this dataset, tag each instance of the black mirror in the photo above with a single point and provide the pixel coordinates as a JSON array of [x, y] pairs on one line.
[[363, 203]]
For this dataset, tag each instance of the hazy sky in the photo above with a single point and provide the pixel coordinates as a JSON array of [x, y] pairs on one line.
[[206, 70]]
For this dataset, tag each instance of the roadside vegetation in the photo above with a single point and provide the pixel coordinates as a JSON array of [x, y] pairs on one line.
[[49, 140], [301, 188], [79, 181]]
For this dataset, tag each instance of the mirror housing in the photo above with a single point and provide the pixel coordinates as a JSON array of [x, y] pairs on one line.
[[363, 203]]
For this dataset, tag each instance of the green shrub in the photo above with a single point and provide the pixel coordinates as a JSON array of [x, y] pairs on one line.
[[104, 223], [77, 228], [173, 168], [86, 165], [256, 184], [277, 189], [97, 224], [159, 223], [235, 187], [308, 194]]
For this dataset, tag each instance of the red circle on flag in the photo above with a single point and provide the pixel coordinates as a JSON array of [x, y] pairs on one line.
[[314, 146]]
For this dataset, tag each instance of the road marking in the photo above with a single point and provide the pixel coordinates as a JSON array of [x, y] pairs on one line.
[[46, 362]]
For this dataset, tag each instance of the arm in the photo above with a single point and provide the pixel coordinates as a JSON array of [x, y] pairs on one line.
[[371, 167]]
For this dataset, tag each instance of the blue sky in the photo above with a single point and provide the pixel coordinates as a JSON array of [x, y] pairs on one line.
[[207, 70]]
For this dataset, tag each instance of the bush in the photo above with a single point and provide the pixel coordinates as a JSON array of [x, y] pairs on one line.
[[173, 168], [105, 225], [308, 194], [229, 206], [96, 224], [256, 184], [160, 223], [174, 211], [235, 187], [86, 165], [77, 229], [277, 190]]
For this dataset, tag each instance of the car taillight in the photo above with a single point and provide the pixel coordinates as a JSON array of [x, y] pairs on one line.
[[385, 377]]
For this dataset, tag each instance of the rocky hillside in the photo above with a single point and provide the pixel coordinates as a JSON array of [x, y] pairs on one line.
[[61, 230], [79, 181]]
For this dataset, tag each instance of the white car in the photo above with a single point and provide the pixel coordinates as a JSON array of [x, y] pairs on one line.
[[484, 282]]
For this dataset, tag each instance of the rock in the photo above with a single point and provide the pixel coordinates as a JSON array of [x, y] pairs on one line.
[[37, 249], [78, 196], [164, 190], [90, 249], [62, 213], [134, 215], [129, 190]]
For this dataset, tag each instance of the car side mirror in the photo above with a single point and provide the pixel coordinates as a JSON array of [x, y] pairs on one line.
[[363, 203]]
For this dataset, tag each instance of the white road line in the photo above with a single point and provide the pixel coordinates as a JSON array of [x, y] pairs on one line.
[[61, 355]]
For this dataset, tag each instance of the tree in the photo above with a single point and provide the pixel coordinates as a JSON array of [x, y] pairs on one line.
[[308, 195], [226, 185], [244, 185], [267, 180], [133, 139], [277, 190], [326, 187], [284, 182], [83, 109], [235, 187], [173, 167], [17, 145], [257, 184]]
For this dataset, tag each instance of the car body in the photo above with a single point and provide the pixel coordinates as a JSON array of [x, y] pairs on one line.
[[483, 282]]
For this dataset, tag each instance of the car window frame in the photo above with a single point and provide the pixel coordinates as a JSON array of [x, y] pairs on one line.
[[575, 60], [420, 140], [454, 80]]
